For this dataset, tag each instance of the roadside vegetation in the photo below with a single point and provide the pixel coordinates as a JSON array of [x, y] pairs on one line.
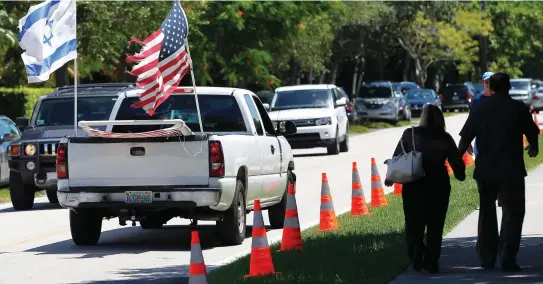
[[368, 249], [365, 126]]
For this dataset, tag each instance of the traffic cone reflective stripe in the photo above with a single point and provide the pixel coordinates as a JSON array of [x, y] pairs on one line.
[[261, 260], [398, 188], [358, 200], [292, 237], [328, 220], [378, 197], [197, 268]]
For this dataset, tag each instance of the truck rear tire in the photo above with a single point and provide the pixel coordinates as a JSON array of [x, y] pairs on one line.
[[22, 195], [86, 227], [232, 229], [52, 196], [276, 213]]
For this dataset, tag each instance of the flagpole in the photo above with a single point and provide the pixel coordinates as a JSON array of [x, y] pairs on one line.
[[194, 86], [75, 97]]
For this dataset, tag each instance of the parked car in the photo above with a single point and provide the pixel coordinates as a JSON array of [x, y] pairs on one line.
[[32, 158], [401, 88], [537, 100], [349, 107], [417, 98], [379, 101], [458, 96], [241, 157], [8, 133], [319, 114], [523, 89], [265, 96]]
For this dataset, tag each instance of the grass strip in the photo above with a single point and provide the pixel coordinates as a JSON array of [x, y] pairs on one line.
[[369, 249]]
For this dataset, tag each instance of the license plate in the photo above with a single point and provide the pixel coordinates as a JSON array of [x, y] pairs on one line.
[[138, 197], [455, 98]]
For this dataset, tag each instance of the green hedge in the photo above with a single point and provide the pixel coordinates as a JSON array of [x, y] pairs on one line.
[[15, 102]]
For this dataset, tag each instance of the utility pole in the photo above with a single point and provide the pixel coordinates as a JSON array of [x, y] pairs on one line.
[[483, 54]]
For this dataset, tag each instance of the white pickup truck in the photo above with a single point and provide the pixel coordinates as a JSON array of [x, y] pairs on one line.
[[214, 176]]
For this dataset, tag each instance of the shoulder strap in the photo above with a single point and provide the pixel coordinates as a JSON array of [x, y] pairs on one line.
[[412, 139]]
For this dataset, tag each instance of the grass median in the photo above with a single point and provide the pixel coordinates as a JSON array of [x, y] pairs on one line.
[[365, 126], [369, 249]]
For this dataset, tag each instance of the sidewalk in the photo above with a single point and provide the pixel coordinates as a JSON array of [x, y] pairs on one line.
[[459, 262]]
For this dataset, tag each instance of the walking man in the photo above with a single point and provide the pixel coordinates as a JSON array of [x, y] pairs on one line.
[[499, 125]]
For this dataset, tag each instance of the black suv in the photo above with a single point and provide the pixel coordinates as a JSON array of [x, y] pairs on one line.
[[458, 96], [32, 158]]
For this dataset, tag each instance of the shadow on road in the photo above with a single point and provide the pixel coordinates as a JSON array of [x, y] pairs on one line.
[[38, 206], [460, 264], [164, 275], [135, 240]]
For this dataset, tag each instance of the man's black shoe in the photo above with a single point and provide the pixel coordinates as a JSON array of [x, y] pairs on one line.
[[511, 267]]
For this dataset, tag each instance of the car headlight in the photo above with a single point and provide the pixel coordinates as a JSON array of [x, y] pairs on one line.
[[323, 121], [30, 149]]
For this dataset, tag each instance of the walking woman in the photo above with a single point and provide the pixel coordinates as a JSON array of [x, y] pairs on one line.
[[425, 201]]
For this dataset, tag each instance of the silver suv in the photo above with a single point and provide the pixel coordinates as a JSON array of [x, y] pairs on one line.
[[379, 101]]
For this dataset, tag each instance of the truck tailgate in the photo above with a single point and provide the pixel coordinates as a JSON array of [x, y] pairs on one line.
[[171, 163]]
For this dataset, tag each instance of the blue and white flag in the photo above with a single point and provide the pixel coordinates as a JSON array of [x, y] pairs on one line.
[[47, 34]]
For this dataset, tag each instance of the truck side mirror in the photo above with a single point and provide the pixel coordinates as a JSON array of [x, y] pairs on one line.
[[21, 122], [286, 128], [6, 138]]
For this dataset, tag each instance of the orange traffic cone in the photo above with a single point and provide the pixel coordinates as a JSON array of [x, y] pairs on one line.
[[534, 114], [398, 189], [261, 260], [358, 200], [468, 159], [378, 197], [197, 268], [292, 237], [328, 220], [524, 141], [449, 169]]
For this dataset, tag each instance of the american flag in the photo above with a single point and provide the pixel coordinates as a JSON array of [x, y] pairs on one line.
[[163, 61], [175, 130]]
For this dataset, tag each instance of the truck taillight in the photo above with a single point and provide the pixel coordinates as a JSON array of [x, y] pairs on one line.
[[62, 161], [216, 159]]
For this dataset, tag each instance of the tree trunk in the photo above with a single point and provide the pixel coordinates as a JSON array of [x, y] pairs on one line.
[[322, 77], [310, 76], [407, 67], [355, 75], [61, 76], [334, 73], [421, 73]]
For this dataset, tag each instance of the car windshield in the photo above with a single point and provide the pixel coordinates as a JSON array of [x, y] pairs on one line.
[[520, 85], [374, 92], [60, 111], [219, 114], [416, 94], [302, 99]]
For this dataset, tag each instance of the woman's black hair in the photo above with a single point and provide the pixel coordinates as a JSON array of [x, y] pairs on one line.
[[432, 117]]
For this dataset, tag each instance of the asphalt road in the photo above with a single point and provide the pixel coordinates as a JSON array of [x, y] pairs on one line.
[[36, 246]]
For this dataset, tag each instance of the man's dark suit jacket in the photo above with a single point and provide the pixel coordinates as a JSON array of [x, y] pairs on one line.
[[499, 125]]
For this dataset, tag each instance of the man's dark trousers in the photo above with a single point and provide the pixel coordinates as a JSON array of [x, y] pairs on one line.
[[512, 199]]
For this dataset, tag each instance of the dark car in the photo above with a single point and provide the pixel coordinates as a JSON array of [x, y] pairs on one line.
[[349, 107], [417, 98], [8, 133], [32, 159], [458, 96], [265, 96]]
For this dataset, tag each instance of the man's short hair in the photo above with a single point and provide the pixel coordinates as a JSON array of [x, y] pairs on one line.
[[500, 83]]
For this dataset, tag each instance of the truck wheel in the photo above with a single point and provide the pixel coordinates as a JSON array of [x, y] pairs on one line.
[[151, 223], [86, 227], [344, 146], [334, 149], [231, 230], [52, 196], [22, 195], [276, 213]]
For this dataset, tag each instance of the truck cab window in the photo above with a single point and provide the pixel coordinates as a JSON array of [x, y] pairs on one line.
[[254, 114]]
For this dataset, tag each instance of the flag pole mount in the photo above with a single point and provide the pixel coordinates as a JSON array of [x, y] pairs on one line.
[[194, 86]]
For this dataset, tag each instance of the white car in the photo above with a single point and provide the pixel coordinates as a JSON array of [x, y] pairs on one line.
[[319, 114], [216, 176]]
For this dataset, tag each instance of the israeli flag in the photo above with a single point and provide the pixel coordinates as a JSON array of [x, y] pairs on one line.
[[47, 34]]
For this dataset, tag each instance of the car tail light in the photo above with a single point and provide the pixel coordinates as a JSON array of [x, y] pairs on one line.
[[535, 98], [469, 97], [216, 159], [62, 161], [348, 108], [442, 98]]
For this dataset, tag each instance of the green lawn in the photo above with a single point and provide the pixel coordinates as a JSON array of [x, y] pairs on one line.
[[365, 126], [364, 250]]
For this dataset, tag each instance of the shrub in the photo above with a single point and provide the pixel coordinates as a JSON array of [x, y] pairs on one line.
[[20, 101]]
